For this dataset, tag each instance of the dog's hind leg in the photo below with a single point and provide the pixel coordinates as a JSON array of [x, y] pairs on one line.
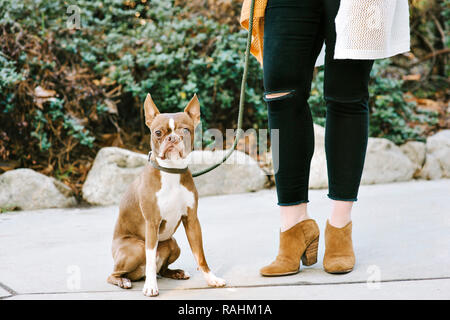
[[137, 274], [129, 256], [168, 252]]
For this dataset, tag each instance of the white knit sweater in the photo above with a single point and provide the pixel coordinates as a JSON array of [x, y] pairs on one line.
[[370, 29]]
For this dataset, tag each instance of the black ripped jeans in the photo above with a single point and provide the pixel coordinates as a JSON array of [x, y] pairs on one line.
[[294, 31]]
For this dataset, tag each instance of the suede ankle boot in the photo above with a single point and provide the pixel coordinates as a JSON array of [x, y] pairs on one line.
[[339, 256], [300, 241]]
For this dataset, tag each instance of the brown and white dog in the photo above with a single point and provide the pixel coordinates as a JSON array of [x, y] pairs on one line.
[[155, 204]]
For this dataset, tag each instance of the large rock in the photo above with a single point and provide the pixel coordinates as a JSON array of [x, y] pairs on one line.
[[113, 170], [431, 169], [27, 189], [438, 145], [240, 173], [385, 162], [415, 151]]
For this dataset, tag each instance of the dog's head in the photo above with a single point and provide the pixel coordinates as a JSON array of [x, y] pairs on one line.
[[172, 134]]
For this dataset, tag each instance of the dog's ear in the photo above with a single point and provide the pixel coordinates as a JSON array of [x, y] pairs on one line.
[[150, 109], [193, 110]]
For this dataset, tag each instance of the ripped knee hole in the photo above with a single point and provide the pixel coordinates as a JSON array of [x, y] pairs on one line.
[[278, 95]]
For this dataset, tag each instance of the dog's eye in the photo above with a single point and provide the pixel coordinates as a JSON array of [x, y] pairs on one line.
[[158, 133], [186, 131]]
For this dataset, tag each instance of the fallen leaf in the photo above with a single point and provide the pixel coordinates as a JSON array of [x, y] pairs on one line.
[[428, 104], [42, 95], [411, 77], [40, 92]]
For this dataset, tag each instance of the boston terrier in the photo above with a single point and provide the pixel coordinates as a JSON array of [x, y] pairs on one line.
[[161, 197]]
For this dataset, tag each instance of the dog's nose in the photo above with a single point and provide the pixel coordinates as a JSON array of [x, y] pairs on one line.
[[173, 138]]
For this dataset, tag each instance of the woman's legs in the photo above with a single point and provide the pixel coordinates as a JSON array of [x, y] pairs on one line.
[[347, 122], [293, 38], [346, 135]]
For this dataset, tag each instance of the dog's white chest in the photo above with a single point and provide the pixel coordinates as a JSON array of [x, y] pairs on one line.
[[173, 200]]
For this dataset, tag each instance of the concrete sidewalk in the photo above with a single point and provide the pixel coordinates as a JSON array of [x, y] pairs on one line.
[[401, 235]]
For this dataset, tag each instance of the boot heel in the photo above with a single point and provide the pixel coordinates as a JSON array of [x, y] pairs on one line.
[[310, 255]]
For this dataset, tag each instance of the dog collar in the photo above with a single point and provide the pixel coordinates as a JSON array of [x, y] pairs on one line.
[[165, 169]]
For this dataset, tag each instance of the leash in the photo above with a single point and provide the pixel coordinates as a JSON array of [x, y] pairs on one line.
[[239, 130]]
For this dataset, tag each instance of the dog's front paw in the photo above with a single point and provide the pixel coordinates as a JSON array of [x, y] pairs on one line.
[[214, 281], [150, 290]]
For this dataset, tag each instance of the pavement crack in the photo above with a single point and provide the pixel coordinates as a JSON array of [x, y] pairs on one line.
[[265, 285], [307, 283], [8, 289]]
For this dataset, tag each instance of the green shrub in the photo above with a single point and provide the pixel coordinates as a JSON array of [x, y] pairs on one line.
[[391, 116], [145, 47]]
